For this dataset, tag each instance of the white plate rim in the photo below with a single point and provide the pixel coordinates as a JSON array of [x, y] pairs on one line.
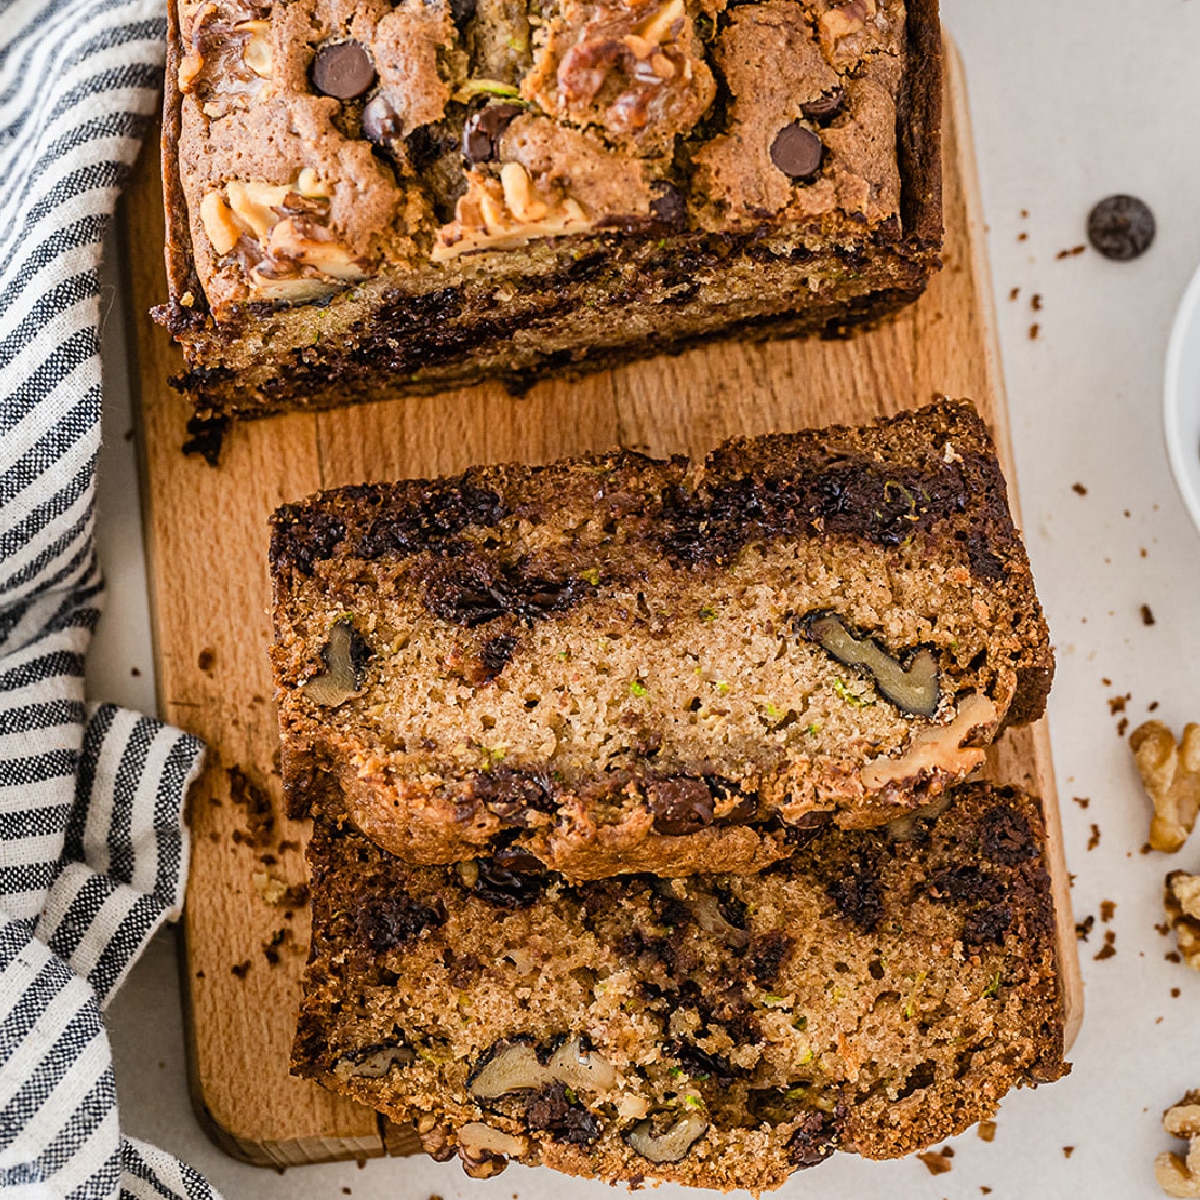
[[1181, 398]]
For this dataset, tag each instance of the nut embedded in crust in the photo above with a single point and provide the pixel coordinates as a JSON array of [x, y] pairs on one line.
[[673, 1143], [913, 689], [345, 655], [485, 1151]]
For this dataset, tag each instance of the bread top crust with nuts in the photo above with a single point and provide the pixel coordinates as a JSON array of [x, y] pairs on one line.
[[617, 664], [322, 142]]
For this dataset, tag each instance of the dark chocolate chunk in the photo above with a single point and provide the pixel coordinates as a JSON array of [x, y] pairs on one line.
[[964, 883], [300, 538], [343, 70], [1005, 836], [681, 805], [767, 955], [825, 107], [510, 793], [700, 1064], [814, 1140], [462, 11], [388, 921], [507, 888], [481, 133], [495, 654], [797, 152], [1121, 227], [668, 206], [205, 436], [381, 123], [746, 807], [565, 1122], [860, 898], [988, 925]]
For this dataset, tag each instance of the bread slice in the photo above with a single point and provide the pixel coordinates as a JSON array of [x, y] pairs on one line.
[[874, 994], [619, 664]]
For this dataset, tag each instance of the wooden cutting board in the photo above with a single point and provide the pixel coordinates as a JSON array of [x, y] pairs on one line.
[[245, 924]]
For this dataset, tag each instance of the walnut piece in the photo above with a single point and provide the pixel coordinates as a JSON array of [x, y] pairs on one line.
[[485, 1151], [515, 1067], [224, 64], [293, 254], [634, 68], [345, 655], [1171, 776], [939, 749], [912, 689], [504, 214], [1178, 1176], [1181, 899]]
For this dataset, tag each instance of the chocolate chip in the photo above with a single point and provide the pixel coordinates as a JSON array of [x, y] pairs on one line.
[[668, 206], [1005, 836], [797, 152], [481, 133], [381, 123], [1121, 227], [859, 897], [507, 888], [680, 806], [462, 11], [826, 106], [388, 921], [814, 1140], [343, 70], [551, 1110]]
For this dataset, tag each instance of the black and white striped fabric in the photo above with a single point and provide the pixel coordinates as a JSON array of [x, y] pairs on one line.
[[93, 852]]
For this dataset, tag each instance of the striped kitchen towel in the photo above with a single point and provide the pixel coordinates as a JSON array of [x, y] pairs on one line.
[[93, 852]]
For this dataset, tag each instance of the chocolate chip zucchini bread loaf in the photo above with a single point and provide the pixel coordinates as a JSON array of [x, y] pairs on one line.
[[873, 993], [367, 197], [621, 664]]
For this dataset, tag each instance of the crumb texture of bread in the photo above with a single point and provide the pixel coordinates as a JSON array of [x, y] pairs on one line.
[[873, 994], [617, 664], [366, 197]]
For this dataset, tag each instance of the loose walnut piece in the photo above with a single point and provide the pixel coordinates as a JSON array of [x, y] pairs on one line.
[[1171, 776], [914, 688], [673, 1143], [485, 1151], [1177, 1176], [1181, 899]]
